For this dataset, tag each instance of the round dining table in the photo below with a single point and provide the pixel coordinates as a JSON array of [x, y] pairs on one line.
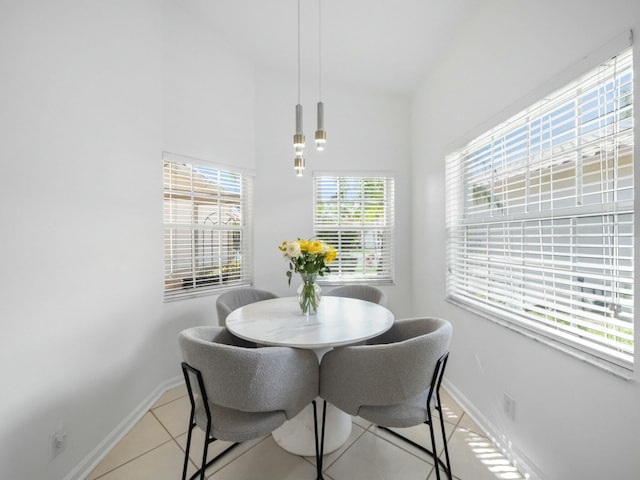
[[339, 321]]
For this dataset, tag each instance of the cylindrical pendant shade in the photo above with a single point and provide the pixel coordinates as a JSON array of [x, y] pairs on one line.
[[321, 134], [320, 116], [298, 138]]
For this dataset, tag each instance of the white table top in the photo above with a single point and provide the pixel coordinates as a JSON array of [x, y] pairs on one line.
[[339, 321]]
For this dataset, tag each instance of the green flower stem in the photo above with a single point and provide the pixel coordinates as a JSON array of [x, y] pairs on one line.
[[309, 296]]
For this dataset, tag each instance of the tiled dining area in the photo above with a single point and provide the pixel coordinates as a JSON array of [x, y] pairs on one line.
[[153, 450]]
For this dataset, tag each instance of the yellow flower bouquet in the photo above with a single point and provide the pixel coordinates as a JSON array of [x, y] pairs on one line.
[[309, 258]]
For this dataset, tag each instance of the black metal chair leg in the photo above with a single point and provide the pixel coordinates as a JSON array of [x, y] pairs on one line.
[[188, 447], [315, 438], [200, 472], [417, 445], [204, 456], [433, 445], [319, 448], [324, 417], [192, 423], [444, 439], [187, 370]]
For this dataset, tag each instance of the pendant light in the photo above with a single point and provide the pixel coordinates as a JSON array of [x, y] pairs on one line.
[[321, 134], [298, 137]]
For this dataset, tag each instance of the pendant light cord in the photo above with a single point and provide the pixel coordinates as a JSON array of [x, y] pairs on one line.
[[320, 50], [298, 52]]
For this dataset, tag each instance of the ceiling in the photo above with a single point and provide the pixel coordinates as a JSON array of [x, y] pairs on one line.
[[382, 45]]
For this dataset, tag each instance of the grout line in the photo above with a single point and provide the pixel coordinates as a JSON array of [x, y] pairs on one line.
[[229, 462], [163, 425], [364, 430], [158, 405], [399, 445], [175, 439], [134, 458]]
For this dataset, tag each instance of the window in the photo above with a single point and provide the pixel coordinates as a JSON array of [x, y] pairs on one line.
[[354, 214], [207, 227], [540, 216]]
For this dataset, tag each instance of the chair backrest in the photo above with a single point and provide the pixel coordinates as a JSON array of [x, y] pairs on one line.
[[227, 302], [398, 367], [250, 379], [362, 292]]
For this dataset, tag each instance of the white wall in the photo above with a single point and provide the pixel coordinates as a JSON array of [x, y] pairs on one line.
[[365, 132], [208, 93], [573, 420], [80, 134]]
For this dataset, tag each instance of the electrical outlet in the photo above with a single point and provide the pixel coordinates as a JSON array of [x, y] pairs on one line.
[[58, 441], [509, 406]]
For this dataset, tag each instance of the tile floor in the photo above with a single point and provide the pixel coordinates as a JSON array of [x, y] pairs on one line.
[[153, 450]]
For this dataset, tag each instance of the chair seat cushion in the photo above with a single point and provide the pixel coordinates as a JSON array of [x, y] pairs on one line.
[[411, 412], [235, 425]]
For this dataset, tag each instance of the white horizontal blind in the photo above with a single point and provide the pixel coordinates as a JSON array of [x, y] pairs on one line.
[[540, 216], [355, 214], [207, 228]]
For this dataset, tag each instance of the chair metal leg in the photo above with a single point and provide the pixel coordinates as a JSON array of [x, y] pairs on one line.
[[186, 453], [205, 450], [324, 418], [433, 445], [417, 445], [444, 437], [200, 472], [187, 370], [320, 447]]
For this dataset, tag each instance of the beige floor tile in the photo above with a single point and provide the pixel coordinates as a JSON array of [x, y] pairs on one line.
[[356, 431], [474, 457], [420, 435], [162, 463], [171, 395], [174, 416], [146, 435], [215, 448], [266, 461], [467, 422], [372, 456]]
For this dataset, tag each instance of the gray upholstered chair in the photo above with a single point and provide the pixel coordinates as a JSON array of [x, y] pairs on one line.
[[362, 292], [228, 301], [393, 380], [238, 393]]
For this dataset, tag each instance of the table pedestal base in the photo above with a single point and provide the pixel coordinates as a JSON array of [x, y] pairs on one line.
[[297, 436]]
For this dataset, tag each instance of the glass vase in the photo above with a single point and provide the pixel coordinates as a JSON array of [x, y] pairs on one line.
[[309, 293]]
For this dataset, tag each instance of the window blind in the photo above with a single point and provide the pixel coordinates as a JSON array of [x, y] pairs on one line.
[[207, 227], [540, 214], [355, 214]]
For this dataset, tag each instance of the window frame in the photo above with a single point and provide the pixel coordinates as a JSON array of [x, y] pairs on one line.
[[222, 196], [461, 217], [336, 234]]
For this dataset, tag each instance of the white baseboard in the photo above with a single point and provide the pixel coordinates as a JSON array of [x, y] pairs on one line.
[[517, 458], [91, 461]]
